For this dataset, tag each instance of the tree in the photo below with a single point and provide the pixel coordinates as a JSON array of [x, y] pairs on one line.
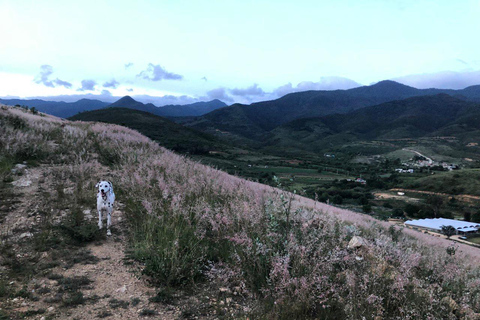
[[467, 216], [337, 199], [448, 231], [436, 203], [411, 210], [476, 217], [398, 213], [367, 208]]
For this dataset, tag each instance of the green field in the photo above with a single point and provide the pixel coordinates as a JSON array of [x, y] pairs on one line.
[[474, 240]]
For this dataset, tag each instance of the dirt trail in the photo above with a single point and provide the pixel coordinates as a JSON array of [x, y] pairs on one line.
[[462, 197], [114, 291], [114, 283]]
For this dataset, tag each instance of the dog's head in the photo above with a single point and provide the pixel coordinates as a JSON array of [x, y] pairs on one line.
[[104, 187]]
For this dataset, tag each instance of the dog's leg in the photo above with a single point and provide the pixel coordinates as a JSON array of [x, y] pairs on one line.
[[109, 222], [100, 225]]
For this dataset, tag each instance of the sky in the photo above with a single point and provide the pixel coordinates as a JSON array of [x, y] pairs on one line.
[[177, 52]]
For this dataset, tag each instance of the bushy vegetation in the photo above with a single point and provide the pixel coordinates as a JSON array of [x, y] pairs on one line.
[[191, 224]]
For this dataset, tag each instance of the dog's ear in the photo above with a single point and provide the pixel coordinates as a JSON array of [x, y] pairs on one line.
[[111, 186], [96, 186]]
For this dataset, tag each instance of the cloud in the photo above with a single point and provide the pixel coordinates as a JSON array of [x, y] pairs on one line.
[[111, 84], [88, 85], [204, 79], [106, 93], [128, 65], [325, 83], [252, 91], [283, 90], [44, 78], [441, 80], [218, 93], [130, 90], [62, 83], [165, 100], [157, 73]]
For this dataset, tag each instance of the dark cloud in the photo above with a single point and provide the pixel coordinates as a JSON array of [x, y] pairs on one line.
[[219, 93], [442, 80], [157, 73], [128, 65], [130, 90], [43, 77], [88, 85], [252, 91], [106, 93], [111, 84]]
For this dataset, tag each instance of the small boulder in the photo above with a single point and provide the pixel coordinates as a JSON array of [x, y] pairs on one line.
[[450, 303], [357, 242], [26, 235], [19, 168]]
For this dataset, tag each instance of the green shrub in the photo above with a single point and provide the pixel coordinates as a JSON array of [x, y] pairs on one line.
[[172, 252], [79, 230]]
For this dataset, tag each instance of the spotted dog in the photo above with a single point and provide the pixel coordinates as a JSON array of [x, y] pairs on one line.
[[105, 200]]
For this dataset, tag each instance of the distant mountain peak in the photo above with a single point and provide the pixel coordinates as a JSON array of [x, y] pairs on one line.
[[127, 99], [390, 84]]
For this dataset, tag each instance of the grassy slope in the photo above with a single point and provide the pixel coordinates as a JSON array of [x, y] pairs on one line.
[[166, 132], [190, 223]]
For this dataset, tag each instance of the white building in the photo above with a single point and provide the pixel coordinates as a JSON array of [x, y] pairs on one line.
[[462, 227]]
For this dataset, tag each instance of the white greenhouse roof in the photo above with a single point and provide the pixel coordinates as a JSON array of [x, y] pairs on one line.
[[437, 224]]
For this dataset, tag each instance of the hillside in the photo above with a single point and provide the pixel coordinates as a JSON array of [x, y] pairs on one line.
[[169, 134], [253, 121], [190, 240], [188, 110], [410, 118]]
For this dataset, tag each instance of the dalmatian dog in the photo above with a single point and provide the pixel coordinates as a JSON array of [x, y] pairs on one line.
[[105, 200]]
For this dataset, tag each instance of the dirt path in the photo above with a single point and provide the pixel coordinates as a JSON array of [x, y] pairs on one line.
[[120, 293], [86, 282], [418, 153], [462, 197]]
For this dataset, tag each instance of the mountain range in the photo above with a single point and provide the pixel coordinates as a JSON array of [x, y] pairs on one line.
[[58, 108], [437, 115], [254, 121], [68, 109], [194, 109]]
